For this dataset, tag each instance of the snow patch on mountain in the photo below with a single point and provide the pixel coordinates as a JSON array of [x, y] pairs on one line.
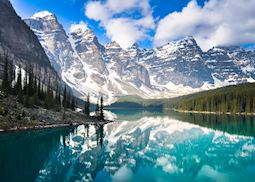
[[42, 14], [177, 68]]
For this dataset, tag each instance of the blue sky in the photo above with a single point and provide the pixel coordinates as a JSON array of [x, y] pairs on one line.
[[153, 22]]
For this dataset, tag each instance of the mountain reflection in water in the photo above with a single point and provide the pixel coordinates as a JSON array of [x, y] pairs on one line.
[[152, 147]]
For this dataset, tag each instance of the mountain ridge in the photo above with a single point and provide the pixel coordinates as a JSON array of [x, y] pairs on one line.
[[174, 69]]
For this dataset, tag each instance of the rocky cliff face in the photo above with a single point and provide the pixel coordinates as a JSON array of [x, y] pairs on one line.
[[124, 63], [20, 43], [53, 39], [88, 48], [85, 64], [224, 67], [179, 62], [177, 68]]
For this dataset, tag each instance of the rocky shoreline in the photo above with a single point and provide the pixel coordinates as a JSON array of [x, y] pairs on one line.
[[15, 117]]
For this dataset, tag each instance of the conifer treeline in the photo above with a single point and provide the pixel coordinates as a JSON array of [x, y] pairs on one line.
[[31, 90], [231, 99], [87, 106], [99, 110]]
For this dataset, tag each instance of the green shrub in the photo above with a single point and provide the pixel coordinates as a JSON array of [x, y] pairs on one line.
[[3, 111]]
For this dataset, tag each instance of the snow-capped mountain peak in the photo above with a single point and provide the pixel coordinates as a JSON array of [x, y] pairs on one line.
[[90, 36], [43, 14], [86, 33], [78, 28], [113, 44], [177, 68], [189, 40]]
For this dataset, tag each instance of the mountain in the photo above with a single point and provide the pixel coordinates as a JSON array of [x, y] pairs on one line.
[[20, 43], [178, 62], [177, 68], [226, 66], [86, 65], [53, 38]]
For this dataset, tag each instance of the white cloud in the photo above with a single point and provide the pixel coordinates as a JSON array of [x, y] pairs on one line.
[[81, 26], [97, 11], [124, 31], [118, 6], [117, 17], [218, 22]]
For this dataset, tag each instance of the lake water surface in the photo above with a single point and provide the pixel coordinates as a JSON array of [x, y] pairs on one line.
[[139, 146]]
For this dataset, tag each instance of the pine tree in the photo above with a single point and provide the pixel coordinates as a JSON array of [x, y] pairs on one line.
[[5, 82], [73, 103], [11, 74], [102, 108], [86, 106], [49, 96], [39, 90], [253, 103], [59, 95], [68, 99], [26, 91], [35, 85], [97, 109], [248, 105], [18, 86], [64, 98], [35, 94], [30, 80], [69, 103]]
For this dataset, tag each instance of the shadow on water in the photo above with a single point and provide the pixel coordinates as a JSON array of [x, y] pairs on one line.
[[99, 134], [22, 154], [233, 124]]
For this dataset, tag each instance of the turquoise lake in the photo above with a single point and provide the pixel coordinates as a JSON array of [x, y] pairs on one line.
[[140, 146]]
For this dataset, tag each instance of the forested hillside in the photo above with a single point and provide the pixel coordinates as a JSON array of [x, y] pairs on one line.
[[21, 45], [231, 99], [29, 89]]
